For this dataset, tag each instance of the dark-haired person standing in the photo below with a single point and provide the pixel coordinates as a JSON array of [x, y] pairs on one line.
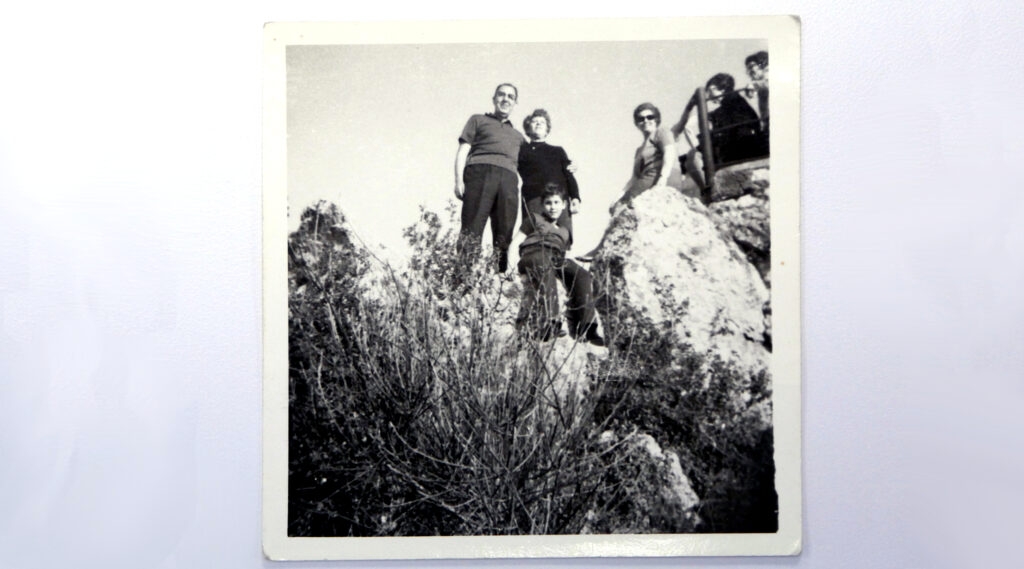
[[735, 130], [735, 126], [486, 179], [757, 70], [541, 163]]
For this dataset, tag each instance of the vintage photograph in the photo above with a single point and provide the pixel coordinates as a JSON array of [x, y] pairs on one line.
[[521, 288]]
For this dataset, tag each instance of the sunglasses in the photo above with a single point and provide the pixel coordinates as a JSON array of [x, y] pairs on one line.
[[643, 118]]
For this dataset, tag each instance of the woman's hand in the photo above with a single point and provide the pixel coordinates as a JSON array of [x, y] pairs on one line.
[[574, 206], [571, 168], [460, 189]]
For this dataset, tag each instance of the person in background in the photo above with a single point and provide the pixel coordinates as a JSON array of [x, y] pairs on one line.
[[485, 178], [757, 70], [735, 130], [735, 126], [542, 261], [539, 164]]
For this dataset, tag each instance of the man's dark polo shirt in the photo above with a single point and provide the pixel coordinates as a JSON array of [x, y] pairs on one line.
[[492, 141]]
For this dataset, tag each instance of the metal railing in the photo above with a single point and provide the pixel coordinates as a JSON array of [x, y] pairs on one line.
[[706, 144]]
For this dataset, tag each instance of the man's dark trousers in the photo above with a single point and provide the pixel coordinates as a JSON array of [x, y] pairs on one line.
[[492, 192]]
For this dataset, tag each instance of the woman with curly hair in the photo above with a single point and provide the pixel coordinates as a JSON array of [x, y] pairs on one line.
[[655, 163], [541, 163]]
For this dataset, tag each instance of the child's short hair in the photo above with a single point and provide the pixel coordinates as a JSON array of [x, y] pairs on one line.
[[552, 189]]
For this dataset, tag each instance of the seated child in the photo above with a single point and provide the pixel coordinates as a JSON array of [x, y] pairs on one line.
[[542, 260]]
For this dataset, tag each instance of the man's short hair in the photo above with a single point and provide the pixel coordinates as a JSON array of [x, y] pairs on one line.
[[723, 81], [647, 107], [537, 113], [514, 88], [552, 189], [760, 59]]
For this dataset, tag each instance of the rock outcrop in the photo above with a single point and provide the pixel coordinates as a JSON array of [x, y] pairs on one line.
[[740, 209], [675, 488], [571, 364], [664, 257], [739, 180], [669, 499]]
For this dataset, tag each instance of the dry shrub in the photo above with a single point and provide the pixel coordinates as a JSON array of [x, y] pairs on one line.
[[415, 408], [418, 410]]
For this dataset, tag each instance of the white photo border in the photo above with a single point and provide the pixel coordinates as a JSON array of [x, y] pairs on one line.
[[783, 36]]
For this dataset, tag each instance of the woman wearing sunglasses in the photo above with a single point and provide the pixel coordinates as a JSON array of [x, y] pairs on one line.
[[655, 163]]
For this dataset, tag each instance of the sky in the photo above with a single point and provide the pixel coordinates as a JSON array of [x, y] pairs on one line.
[[374, 128]]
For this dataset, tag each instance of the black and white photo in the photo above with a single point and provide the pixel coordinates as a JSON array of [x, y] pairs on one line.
[[531, 288]]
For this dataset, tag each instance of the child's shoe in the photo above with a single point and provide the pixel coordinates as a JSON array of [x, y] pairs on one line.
[[590, 334], [551, 331], [594, 338]]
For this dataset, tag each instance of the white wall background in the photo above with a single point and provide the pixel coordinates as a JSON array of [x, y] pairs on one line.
[[129, 280]]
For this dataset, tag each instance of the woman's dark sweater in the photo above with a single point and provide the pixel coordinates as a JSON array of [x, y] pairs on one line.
[[540, 163]]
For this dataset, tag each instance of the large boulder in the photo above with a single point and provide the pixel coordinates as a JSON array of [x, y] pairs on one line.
[[571, 364], [675, 486], [660, 497], [732, 182], [664, 258], [740, 209]]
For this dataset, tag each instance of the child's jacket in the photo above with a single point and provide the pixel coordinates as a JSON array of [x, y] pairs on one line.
[[546, 234]]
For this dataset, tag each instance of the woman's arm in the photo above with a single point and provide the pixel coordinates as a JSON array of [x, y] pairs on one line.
[[680, 126], [567, 169], [692, 132]]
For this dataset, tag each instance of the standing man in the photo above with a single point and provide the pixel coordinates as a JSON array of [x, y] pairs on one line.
[[486, 180], [757, 70]]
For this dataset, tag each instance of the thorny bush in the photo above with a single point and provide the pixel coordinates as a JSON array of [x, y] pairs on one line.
[[415, 408]]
